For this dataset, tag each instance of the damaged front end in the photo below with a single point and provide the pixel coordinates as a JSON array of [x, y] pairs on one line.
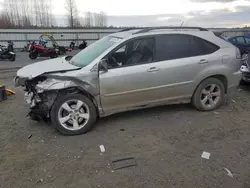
[[41, 92], [39, 100]]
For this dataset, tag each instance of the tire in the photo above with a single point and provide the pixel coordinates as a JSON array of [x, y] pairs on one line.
[[87, 109], [52, 56], [204, 94], [33, 55], [12, 58]]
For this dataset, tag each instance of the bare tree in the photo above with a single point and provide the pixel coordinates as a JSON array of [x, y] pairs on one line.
[[88, 19], [43, 13], [100, 19], [70, 6]]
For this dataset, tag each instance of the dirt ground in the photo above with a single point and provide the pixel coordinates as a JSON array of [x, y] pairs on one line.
[[166, 142]]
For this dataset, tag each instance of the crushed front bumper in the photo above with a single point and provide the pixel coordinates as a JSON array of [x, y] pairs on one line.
[[40, 104]]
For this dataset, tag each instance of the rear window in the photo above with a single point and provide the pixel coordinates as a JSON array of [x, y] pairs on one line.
[[204, 47]]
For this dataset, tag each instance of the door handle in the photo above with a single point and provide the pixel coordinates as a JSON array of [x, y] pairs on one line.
[[203, 61], [153, 69]]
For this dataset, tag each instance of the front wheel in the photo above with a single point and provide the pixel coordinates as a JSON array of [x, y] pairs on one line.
[[73, 114], [209, 95], [33, 55]]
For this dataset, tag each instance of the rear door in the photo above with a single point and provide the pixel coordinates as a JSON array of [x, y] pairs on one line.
[[180, 58]]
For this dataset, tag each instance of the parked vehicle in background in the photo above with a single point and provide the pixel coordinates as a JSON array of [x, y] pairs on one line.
[[26, 48], [72, 45], [83, 45], [6, 52], [61, 50], [40, 50], [130, 70], [242, 42], [245, 67]]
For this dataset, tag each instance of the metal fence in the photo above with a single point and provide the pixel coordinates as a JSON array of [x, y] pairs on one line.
[[65, 36], [62, 36]]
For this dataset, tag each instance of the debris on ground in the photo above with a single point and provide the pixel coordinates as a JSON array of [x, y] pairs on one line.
[[205, 155], [30, 136], [216, 113], [229, 173], [239, 89], [122, 129], [123, 163], [39, 181], [234, 101], [102, 148]]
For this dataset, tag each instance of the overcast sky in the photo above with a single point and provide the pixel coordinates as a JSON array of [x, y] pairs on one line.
[[206, 13]]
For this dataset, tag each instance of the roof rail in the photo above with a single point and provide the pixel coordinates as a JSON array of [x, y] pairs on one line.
[[128, 29], [145, 30]]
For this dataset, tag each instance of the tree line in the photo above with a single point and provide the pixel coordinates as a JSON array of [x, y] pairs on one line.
[[38, 14]]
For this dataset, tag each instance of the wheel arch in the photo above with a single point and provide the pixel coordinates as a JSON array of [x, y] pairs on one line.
[[220, 77]]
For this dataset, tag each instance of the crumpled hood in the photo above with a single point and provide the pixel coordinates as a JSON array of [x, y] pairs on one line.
[[48, 66]]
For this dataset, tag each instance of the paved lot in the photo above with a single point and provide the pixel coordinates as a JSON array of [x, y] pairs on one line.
[[167, 143]]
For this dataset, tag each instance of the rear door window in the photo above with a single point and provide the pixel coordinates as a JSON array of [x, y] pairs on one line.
[[240, 40], [247, 40]]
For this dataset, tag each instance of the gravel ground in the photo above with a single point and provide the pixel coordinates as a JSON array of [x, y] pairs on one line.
[[166, 142]]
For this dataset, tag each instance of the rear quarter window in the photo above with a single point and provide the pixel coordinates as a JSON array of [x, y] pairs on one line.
[[204, 47]]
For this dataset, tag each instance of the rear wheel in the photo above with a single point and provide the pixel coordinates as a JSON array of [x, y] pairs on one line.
[[73, 114], [33, 55], [54, 55], [12, 58], [209, 95]]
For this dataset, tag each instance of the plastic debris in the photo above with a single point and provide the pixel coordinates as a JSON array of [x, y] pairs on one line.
[[102, 148], [234, 101], [229, 173], [30, 136], [205, 155], [216, 113], [40, 181], [42, 141], [122, 129]]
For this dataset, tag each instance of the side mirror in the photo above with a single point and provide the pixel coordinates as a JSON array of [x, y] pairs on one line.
[[103, 65]]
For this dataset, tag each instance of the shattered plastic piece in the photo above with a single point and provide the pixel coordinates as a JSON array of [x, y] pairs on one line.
[[40, 181], [102, 148], [234, 101], [229, 173], [30, 136], [205, 155]]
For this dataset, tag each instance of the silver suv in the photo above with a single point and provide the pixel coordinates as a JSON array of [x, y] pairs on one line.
[[131, 69]]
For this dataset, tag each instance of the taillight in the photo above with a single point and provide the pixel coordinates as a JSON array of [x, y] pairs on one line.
[[238, 55]]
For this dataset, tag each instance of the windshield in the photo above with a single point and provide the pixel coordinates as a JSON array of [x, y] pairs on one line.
[[90, 53]]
